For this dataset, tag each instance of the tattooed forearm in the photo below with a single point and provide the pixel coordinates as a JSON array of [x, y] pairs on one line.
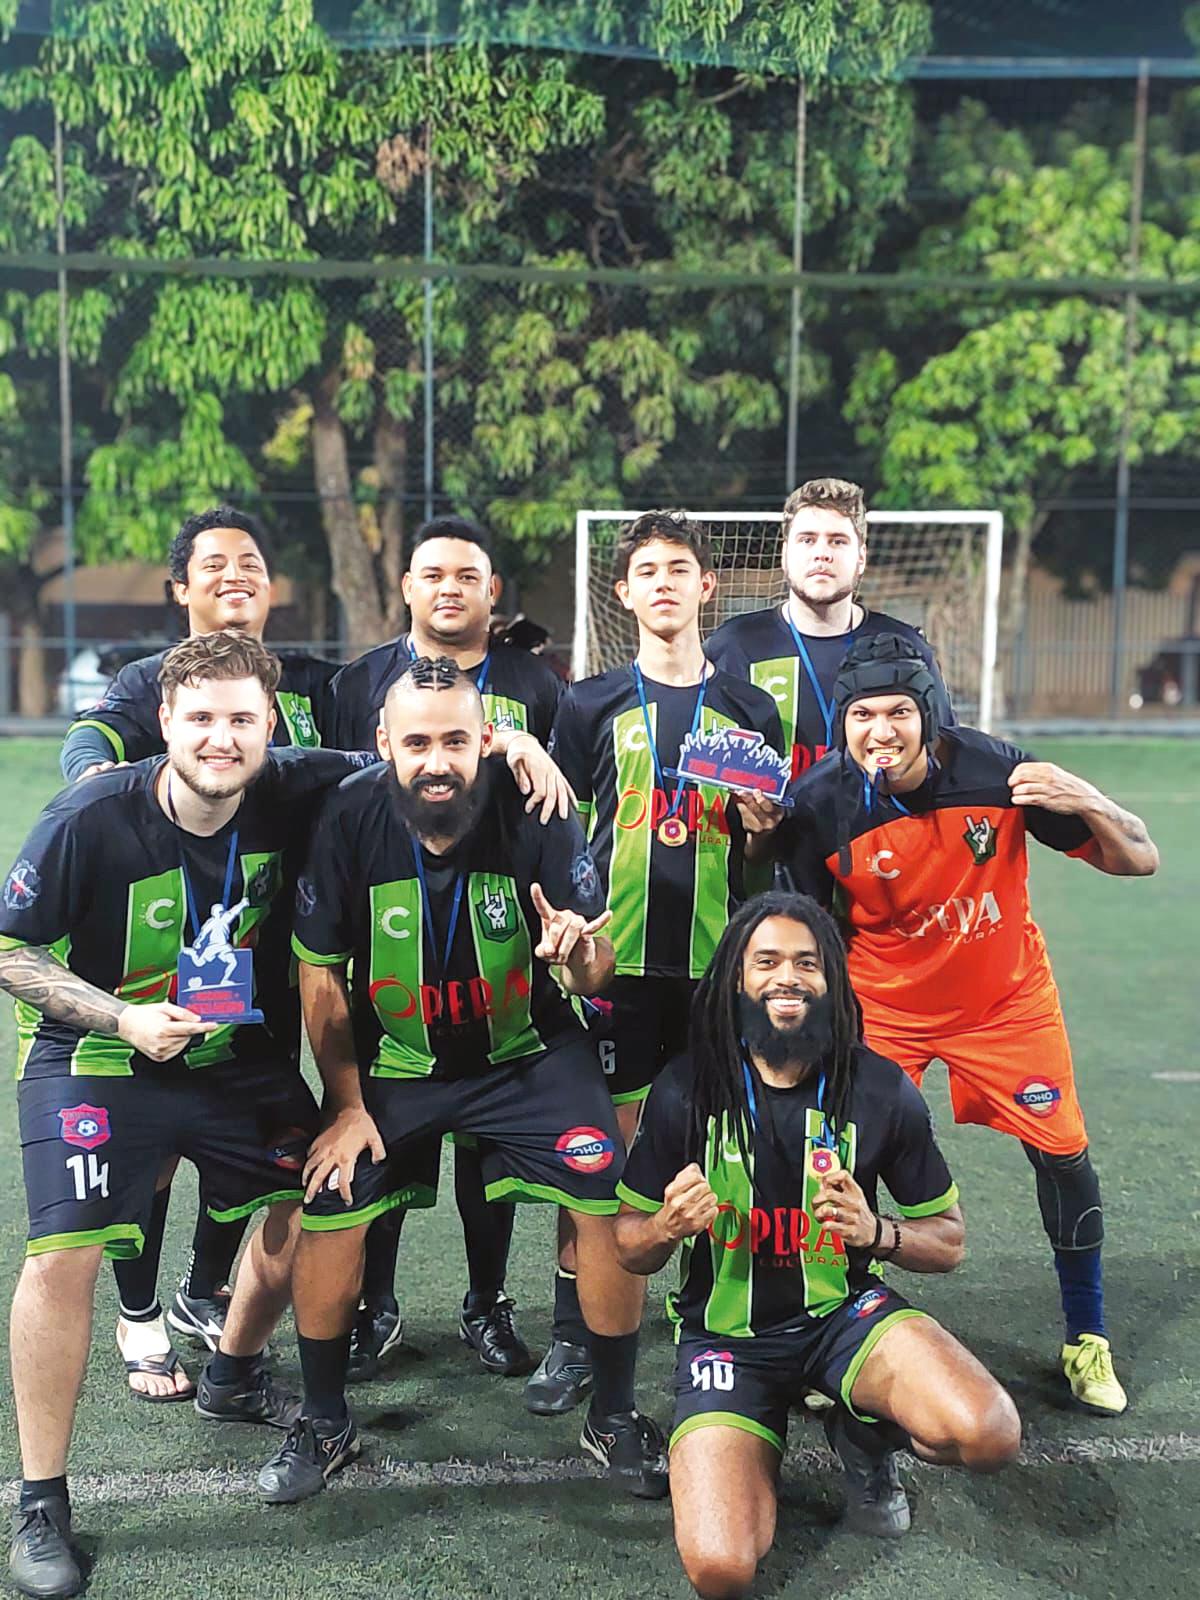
[[32, 974], [1133, 828]]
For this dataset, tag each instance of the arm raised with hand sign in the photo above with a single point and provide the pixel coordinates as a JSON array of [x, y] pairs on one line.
[[569, 942]]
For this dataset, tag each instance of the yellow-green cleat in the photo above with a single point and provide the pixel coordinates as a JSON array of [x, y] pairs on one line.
[[1088, 1367]]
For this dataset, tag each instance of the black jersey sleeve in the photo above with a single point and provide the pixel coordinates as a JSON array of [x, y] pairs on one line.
[[544, 702], [659, 1150], [800, 850], [127, 716], [1051, 828], [913, 1167], [46, 892], [569, 747], [323, 929], [566, 871], [724, 651], [301, 773]]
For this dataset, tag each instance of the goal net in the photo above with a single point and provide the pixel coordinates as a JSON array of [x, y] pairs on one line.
[[939, 570]]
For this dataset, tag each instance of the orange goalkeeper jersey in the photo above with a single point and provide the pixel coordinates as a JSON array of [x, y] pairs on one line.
[[936, 898]]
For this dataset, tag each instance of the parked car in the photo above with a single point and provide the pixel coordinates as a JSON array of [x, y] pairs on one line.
[[91, 671]]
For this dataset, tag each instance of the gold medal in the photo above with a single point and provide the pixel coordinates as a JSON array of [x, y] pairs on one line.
[[672, 831], [822, 1161]]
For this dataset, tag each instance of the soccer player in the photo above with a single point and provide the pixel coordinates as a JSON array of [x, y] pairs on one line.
[[220, 565], [670, 856], [794, 650], [453, 905], [920, 834], [450, 589], [116, 1076], [761, 1151]]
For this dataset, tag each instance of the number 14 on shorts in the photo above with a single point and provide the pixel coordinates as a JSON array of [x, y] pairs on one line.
[[90, 1175]]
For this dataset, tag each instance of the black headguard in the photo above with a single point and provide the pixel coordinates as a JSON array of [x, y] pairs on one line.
[[884, 663]]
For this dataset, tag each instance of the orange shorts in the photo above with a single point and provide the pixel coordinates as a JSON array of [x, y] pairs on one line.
[[1012, 1072]]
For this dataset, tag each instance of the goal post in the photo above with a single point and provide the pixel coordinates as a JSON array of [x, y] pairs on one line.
[[939, 570]]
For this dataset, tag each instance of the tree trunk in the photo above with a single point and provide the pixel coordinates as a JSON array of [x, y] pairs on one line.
[[391, 463], [350, 557], [34, 698], [1012, 610]]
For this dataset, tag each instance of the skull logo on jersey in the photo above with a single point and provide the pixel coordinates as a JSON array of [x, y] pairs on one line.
[[980, 838], [497, 913]]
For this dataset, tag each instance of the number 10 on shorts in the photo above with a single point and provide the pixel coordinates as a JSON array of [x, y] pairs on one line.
[[90, 1175]]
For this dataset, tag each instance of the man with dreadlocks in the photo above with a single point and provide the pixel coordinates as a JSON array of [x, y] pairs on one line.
[[921, 831], [761, 1150]]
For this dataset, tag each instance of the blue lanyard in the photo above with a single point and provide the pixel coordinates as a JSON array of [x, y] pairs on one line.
[[443, 961], [481, 677], [827, 1138], [659, 777], [230, 863], [871, 789], [824, 706]]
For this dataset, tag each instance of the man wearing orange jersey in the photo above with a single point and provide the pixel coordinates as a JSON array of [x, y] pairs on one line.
[[921, 830]]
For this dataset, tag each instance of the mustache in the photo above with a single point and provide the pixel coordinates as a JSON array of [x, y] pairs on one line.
[[450, 780]]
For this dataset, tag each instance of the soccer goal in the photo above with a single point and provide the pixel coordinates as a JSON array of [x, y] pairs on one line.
[[939, 570]]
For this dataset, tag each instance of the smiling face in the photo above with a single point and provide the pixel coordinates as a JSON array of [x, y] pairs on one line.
[[823, 557], [884, 734], [216, 733], [228, 585], [784, 1010], [664, 587], [450, 589], [435, 740]]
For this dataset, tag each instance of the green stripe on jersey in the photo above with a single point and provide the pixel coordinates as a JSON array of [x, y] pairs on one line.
[[504, 961], [712, 902], [730, 1308], [781, 680], [629, 868], [297, 713], [397, 969], [825, 1267]]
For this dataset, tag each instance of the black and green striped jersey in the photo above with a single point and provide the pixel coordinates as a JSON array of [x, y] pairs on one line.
[[761, 648], [670, 903], [124, 726], [766, 1265], [519, 691], [360, 898], [100, 882]]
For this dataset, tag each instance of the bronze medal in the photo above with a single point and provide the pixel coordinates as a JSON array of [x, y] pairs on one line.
[[822, 1161]]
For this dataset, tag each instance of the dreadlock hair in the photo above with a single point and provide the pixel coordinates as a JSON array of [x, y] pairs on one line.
[[718, 1087]]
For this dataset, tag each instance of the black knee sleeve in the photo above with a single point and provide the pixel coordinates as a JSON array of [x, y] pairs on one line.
[[1068, 1192]]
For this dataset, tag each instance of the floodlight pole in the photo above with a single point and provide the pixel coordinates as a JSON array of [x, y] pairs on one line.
[[1121, 520], [65, 423], [793, 409], [429, 474]]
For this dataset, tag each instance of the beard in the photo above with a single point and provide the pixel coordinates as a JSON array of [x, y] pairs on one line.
[[808, 1039], [442, 819], [194, 775], [825, 597]]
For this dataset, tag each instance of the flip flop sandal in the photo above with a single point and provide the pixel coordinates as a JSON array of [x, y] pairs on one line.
[[163, 1365]]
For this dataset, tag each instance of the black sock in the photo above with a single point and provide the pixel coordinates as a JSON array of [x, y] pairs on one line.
[[487, 1229], [43, 1489], [137, 1280], [614, 1363], [379, 1262], [214, 1248], [569, 1325], [232, 1369], [323, 1363]]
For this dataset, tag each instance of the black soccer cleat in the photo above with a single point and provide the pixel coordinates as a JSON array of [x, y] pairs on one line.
[[876, 1503], [41, 1561], [377, 1331], [561, 1381], [257, 1398], [306, 1460], [200, 1320], [493, 1335], [631, 1448]]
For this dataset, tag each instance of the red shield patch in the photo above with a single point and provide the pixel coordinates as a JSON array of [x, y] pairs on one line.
[[85, 1126]]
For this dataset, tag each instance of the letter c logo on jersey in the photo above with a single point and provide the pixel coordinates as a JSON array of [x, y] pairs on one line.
[[387, 922], [85, 1126], [585, 1150], [1039, 1098], [876, 867]]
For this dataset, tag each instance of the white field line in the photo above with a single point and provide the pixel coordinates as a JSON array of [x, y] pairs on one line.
[[1177, 1077], [131, 1488]]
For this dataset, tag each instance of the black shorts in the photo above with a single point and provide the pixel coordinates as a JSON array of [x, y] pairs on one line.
[[642, 1023], [753, 1383], [545, 1128], [92, 1147]]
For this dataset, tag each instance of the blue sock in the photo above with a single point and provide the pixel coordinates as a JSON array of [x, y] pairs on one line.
[[1081, 1284]]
